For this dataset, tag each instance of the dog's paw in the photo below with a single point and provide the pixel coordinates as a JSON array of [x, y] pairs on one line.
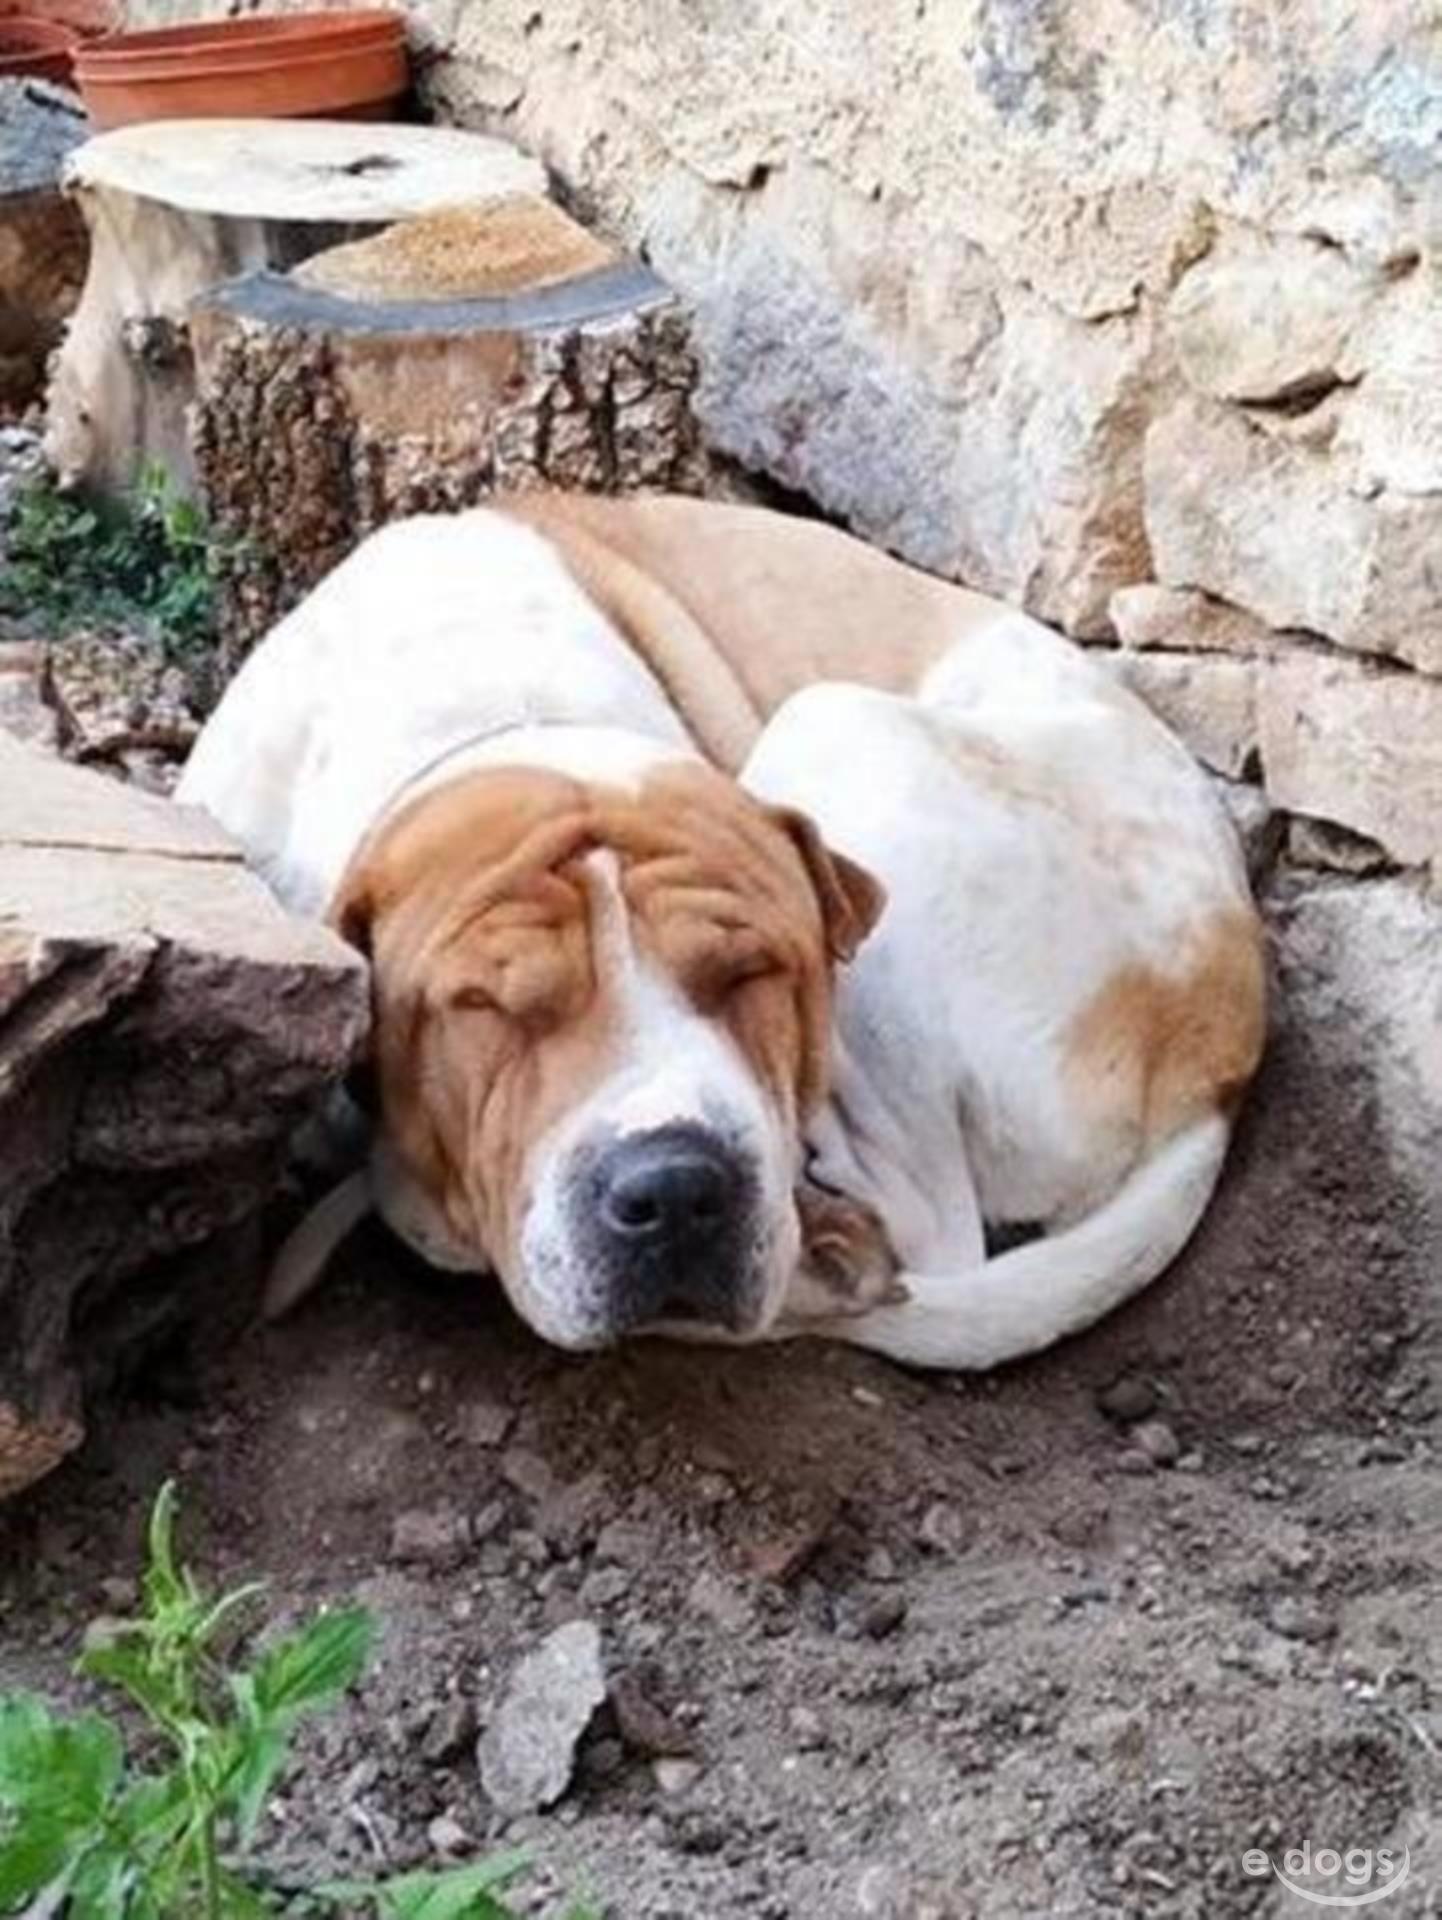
[[847, 1266]]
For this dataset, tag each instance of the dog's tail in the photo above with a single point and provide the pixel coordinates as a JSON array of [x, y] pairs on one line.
[[306, 1250], [1026, 1299]]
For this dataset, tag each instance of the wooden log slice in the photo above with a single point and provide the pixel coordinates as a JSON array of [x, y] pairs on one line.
[[455, 355], [175, 206]]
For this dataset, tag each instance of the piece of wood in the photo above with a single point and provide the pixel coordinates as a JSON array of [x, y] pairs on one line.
[[163, 1026], [462, 353], [173, 207]]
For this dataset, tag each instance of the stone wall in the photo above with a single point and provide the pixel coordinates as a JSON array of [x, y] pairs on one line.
[[1060, 298]]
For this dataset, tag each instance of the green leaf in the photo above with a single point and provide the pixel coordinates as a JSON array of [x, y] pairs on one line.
[[262, 1758], [458, 1893], [33, 1856], [56, 1777], [127, 1663], [240, 1901], [314, 1666], [165, 1586], [71, 1766], [100, 1886]]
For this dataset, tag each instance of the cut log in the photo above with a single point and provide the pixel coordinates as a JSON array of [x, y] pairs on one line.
[[175, 206], [452, 356], [163, 1026], [42, 237]]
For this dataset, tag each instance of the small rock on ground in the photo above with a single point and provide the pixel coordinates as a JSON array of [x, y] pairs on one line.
[[527, 1753]]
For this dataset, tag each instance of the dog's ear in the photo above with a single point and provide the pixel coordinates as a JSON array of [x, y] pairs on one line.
[[353, 910], [851, 899]]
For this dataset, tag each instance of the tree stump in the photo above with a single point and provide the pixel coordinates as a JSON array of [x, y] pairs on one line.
[[456, 354], [173, 207], [42, 237], [163, 1026]]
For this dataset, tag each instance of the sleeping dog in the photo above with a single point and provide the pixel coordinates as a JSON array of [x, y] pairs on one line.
[[762, 933]]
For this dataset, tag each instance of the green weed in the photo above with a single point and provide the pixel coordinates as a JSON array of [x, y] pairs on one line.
[[147, 561], [88, 1832]]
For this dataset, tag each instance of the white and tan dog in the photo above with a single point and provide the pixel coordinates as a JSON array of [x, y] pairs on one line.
[[611, 1062]]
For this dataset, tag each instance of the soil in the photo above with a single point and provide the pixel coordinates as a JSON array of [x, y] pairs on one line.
[[1065, 1640]]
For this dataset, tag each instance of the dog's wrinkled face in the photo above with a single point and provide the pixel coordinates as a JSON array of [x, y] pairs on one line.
[[601, 1017]]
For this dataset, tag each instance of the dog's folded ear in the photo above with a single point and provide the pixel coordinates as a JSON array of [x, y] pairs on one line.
[[352, 910], [851, 899]]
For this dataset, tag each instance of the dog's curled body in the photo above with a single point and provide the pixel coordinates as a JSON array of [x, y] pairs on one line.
[[497, 750]]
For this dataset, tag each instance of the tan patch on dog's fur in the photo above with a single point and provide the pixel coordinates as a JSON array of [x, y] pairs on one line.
[[1153, 1050]]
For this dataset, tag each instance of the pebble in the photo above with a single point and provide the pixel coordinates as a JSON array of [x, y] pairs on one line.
[[1158, 1442], [884, 1616], [438, 1538], [451, 1732], [1134, 1460], [626, 1544], [485, 1423], [807, 1729], [1299, 1619], [719, 1601], [447, 1835], [605, 1586], [528, 1473], [571, 1516], [527, 1754], [1127, 1399], [674, 1776], [645, 1727], [883, 1892], [120, 1594], [944, 1529]]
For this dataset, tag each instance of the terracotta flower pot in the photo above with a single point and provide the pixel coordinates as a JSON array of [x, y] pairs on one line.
[[288, 66], [33, 49]]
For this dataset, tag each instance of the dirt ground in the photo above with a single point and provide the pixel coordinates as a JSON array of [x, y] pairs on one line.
[[938, 1647]]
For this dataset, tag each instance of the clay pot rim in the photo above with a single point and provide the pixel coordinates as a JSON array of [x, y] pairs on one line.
[[34, 34], [253, 32], [93, 73]]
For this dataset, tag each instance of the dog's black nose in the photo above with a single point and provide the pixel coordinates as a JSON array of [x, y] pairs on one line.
[[667, 1191], [672, 1229]]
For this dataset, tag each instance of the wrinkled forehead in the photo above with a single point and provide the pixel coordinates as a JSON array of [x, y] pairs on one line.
[[685, 841]]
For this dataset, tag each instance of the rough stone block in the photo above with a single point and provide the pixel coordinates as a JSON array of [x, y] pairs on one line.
[[1356, 745], [163, 1025], [1149, 615], [1210, 703], [1276, 526]]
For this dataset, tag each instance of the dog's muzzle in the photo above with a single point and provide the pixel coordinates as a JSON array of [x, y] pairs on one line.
[[670, 1223]]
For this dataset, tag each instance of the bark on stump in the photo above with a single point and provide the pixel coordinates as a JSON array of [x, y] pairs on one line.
[[175, 206], [42, 237], [163, 1026], [454, 356]]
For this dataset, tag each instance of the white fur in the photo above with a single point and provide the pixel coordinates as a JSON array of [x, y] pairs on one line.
[[437, 635], [1035, 829], [1016, 889]]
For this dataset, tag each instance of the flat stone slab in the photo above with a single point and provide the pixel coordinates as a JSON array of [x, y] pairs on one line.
[[164, 1025]]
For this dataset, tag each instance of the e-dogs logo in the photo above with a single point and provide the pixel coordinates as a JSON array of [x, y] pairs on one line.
[[1372, 1876]]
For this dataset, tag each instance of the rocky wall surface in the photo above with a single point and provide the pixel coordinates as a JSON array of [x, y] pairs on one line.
[[1059, 298]]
